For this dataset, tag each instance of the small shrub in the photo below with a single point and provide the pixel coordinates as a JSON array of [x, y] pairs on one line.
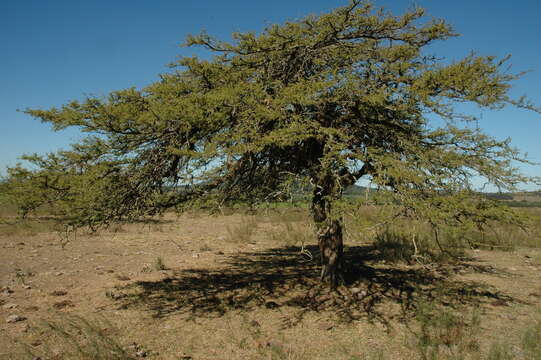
[[291, 234], [394, 246], [158, 264], [243, 232]]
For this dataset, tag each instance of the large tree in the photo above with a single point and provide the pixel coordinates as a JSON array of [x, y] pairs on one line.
[[326, 101]]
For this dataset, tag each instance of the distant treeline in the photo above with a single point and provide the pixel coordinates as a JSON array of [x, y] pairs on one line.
[[499, 196]]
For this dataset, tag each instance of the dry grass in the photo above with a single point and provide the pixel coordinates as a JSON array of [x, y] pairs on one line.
[[409, 241], [237, 286], [243, 232], [28, 227], [73, 337]]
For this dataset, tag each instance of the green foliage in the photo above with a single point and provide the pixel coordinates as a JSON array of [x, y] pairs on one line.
[[531, 341], [314, 104]]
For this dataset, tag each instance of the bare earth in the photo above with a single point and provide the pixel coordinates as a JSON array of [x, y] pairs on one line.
[[217, 297]]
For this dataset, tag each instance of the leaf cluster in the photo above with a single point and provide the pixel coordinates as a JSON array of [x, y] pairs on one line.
[[326, 101]]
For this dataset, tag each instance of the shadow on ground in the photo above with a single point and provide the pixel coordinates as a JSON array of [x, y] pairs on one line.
[[283, 277]]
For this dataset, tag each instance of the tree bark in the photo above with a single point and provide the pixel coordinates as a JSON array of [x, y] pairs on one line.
[[329, 232]]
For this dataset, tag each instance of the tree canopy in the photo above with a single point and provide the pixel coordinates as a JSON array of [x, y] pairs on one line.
[[324, 101]]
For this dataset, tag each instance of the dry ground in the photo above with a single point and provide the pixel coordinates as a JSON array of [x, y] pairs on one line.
[[238, 287]]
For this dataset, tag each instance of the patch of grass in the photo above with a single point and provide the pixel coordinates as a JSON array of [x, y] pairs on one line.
[[21, 275], [531, 341], [7, 209], [284, 215], [396, 245], [444, 334], [292, 234], [371, 224], [529, 347], [158, 264], [116, 228], [499, 351], [75, 337], [27, 227], [243, 232]]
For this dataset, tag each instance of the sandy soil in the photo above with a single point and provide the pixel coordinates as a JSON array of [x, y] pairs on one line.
[[223, 292]]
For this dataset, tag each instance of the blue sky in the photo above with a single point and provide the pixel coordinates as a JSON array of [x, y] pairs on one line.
[[55, 51]]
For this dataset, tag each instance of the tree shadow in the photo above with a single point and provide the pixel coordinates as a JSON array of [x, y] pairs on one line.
[[284, 278]]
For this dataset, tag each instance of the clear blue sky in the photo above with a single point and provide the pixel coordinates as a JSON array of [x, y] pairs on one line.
[[55, 51]]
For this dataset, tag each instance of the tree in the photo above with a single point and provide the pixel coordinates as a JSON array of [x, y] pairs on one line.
[[326, 101]]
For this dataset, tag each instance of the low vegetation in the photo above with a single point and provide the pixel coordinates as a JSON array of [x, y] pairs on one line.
[[405, 297]]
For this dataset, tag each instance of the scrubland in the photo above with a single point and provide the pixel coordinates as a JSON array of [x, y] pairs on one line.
[[243, 284]]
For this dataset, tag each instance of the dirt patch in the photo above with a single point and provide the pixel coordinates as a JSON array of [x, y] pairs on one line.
[[252, 296]]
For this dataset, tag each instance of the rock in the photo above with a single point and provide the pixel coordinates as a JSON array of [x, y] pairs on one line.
[[343, 292], [271, 305], [195, 256], [141, 354], [355, 290], [27, 287], [362, 294], [113, 295], [98, 268], [9, 306], [325, 326], [6, 290], [59, 293], [15, 318], [63, 304], [59, 273]]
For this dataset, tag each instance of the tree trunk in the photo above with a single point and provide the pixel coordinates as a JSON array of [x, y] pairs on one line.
[[329, 232]]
